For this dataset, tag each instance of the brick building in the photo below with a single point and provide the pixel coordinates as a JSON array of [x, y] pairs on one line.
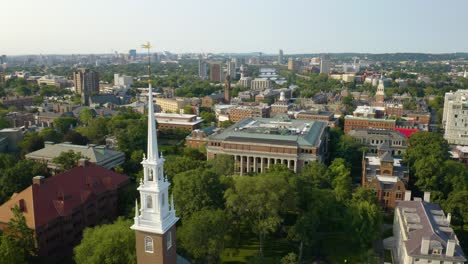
[[247, 111], [17, 101], [386, 176], [59, 208]]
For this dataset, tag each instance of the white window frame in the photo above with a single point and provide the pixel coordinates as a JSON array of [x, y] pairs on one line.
[[149, 239]]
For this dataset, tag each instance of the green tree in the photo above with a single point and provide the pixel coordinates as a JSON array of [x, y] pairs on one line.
[[253, 200], [50, 134], [75, 138], [366, 221], [10, 252], [86, 115], [208, 117], [31, 142], [208, 228], [96, 131], [17, 245], [457, 205], [339, 175], [67, 160], [314, 174], [195, 190], [188, 109], [4, 123], [226, 124], [176, 164], [16, 178], [111, 244], [63, 124]]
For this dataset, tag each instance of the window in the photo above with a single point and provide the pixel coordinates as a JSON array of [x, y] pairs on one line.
[[169, 240], [150, 175], [148, 244], [149, 201]]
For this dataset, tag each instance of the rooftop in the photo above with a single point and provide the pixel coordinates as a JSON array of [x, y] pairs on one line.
[[427, 220], [276, 130]]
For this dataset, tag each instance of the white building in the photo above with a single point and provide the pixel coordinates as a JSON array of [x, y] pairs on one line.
[[202, 70], [422, 233], [123, 80], [260, 84], [325, 65], [455, 118], [231, 69]]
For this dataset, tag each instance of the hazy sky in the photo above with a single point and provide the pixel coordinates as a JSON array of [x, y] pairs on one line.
[[296, 26]]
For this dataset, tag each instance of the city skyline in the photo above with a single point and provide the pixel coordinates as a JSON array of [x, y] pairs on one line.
[[207, 26]]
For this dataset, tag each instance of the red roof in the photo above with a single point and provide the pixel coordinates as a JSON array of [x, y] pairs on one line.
[[407, 131], [61, 194]]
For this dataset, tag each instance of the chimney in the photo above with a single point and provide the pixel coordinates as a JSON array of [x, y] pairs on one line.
[[450, 251], [426, 241], [449, 218], [82, 162], [38, 180], [407, 195], [427, 197]]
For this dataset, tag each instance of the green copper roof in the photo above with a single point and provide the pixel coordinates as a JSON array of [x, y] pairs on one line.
[[279, 130]]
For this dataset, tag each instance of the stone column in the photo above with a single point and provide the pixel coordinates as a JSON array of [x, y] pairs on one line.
[[262, 165], [241, 165], [248, 164]]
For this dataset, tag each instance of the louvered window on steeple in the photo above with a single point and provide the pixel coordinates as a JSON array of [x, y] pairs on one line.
[[150, 175]]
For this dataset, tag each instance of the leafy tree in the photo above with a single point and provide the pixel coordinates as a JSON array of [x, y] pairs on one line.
[[428, 173], [314, 175], [424, 144], [362, 194], [208, 228], [50, 134], [222, 165], [252, 199], [17, 245], [188, 109], [10, 252], [4, 123], [345, 147], [96, 131], [226, 124], [176, 164], [63, 124], [31, 142], [339, 175], [75, 138], [197, 189], [112, 244], [366, 221], [457, 205], [67, 160], [16, 178], [208, 117], [86, 115]]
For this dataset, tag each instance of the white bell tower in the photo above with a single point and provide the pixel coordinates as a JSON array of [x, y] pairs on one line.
[[155, 218]]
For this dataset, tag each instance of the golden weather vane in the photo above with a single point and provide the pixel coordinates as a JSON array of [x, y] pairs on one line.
[[147, 46]]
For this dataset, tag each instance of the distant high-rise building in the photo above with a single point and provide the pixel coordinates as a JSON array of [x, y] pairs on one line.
[[86, 84], [216, 72], [3, 59], [292, 64], [227, 89], [325, 64], [237, 63], [280, 57], [231, 69], [123, 80], [132, 54], [202, 69], [455, 117]]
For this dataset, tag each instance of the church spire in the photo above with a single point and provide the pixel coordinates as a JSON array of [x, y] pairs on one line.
[[152, 139]]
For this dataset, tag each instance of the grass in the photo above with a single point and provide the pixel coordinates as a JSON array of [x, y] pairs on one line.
[[332, 249]]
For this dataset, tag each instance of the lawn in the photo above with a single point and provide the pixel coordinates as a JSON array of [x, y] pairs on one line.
[[332, 249]]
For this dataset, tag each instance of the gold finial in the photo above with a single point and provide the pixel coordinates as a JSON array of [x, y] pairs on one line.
[[148, 47]]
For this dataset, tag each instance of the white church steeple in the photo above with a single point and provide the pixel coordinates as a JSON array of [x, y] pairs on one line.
[[156, 214]]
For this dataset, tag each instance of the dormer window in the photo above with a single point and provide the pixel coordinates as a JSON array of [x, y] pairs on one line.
[[436, 251]]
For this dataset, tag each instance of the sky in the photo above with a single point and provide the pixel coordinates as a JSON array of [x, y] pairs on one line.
[[218, 26]]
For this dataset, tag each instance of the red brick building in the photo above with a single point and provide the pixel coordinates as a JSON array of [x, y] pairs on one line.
[[60, 207]]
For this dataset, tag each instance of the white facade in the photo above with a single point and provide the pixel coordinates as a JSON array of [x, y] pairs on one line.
[[202, 71], [156, 213], [260, 84], [123, 80], [455, 118], [231, 69]]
